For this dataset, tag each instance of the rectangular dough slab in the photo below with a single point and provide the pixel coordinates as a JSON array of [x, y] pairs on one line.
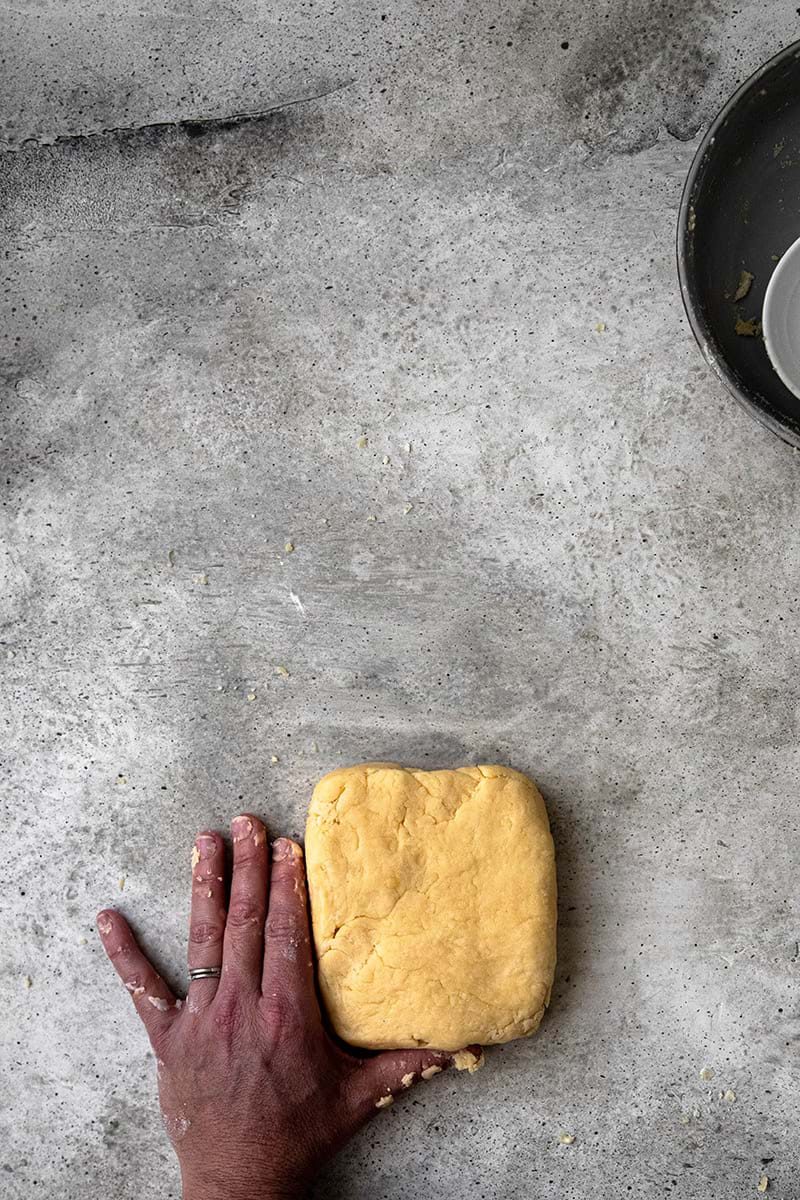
[[433, 901]]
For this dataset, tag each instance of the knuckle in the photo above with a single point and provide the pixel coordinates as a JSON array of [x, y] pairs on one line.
[[203, 932], [288, 879], [203, 881], [285, 870], [249, 853], [245, 912], [160, 1039], [282, 925], [226, 1013], [281, 1012]]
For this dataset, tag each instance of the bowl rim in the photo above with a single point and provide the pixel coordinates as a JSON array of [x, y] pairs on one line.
[[790, 261], [699, 328]]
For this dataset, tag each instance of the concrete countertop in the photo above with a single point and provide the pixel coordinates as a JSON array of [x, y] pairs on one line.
[[448, 231]]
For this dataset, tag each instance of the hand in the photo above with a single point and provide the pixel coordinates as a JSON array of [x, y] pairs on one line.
[[254, 1093]]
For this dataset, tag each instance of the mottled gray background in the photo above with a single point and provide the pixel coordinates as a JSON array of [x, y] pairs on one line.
[[597, 581]]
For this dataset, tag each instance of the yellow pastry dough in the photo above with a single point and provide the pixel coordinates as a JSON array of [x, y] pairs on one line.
[[433, 901]]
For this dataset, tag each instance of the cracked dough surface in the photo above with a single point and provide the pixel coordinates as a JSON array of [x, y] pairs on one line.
[[433, 902]]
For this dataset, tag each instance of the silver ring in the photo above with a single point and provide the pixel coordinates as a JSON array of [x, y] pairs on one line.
[[205, 973]]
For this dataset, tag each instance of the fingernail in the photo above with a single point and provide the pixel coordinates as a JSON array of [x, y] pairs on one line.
[[206, 844], [242, 827], [104, 924], [283, 848]]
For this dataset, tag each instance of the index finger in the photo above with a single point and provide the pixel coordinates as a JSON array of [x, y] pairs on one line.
[[288, 977]]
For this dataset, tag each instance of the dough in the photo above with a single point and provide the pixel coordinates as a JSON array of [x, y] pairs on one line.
[[433, 902]]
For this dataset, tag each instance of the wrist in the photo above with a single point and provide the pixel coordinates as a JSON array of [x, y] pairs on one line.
[[250, 1191], [254, 1191], [251, 1184]]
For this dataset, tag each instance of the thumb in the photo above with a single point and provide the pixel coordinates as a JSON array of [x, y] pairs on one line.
[[376, 1081]]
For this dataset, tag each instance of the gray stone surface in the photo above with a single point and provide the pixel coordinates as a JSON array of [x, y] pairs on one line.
[[597, 581]]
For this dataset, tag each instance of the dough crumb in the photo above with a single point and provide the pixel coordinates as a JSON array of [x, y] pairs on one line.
[[407, 447], [201, 579], [176, 1127], [121, 883], [386, 460], [120, 781], [195, 857], [465, 1060], [407, 508], [729, 1096], [566, 1139], [157, 1002], [384, 1102], [362, 442], [745, 282], [600, 327], [706, 1074], [273, 758], [371, 520], [289, 547], [251, 696], [27, 983], [407, 1080], [429, 1072], [751, 328], [763, 1183]]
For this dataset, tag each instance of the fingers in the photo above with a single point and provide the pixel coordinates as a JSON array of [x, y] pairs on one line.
[[243, 947], [154, 1001], [288, 979], [376, 1081], [207, 920]]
